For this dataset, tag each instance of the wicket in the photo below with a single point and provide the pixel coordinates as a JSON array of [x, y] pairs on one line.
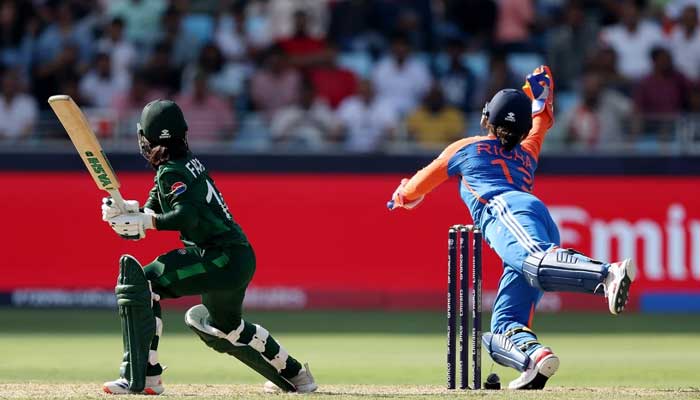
[[457, 277]]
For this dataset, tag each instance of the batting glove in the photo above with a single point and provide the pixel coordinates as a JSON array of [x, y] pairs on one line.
[[109, 210], [132, 226], [539, 86], [399, 197]]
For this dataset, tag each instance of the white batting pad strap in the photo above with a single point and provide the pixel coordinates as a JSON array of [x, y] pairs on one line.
[[153, 357], [259, 340], [235, 334], [159, 327], [154, 295], [280, 360]]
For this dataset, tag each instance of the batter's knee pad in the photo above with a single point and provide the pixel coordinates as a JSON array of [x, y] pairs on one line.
[[504, 352], [564, 270], [135, 303], [197, 319]]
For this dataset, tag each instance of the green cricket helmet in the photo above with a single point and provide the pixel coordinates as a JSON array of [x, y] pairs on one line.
[[162, 124]]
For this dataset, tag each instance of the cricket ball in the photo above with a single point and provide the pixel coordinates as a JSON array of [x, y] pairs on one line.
[[493, 382]]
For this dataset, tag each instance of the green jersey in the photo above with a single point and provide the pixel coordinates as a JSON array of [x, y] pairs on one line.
[[185, 199]]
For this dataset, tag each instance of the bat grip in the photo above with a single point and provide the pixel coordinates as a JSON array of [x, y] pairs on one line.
[[117, 199]]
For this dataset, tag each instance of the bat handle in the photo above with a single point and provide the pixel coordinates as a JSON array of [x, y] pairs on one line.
[[117, 199], [390, 205]]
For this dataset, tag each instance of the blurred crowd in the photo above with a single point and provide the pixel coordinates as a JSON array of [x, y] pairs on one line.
[[355, 74]]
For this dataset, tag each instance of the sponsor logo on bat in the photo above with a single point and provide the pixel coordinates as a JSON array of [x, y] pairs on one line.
[[98, 169]]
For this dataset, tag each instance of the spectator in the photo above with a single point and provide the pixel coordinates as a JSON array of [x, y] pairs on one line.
[[231, 35], [60, 33], [283, 15], [128, 104], [18, 110], [477, 18], [331, 82], [514, 21], [632, 39], [275, 85], [604, 62], [199, 105], [303, 49], [399, 79], [600, 118], [141, 17], [49, 76], [435, 124], [101, 83], [414, 19], [661, 95], [225, 79], [674, 8], [411, 18], [258, 23], [570, 44], [184, 47], [351, 25], [122, 52], [15, 18], [308, 124], [457, 80], [499, 76], [368, 123], [160, 72], [685, 44], [70, 85], [665, 90]]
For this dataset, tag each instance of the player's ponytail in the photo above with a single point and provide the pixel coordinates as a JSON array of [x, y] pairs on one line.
[[505, 136], [158, 155], [161, 154]]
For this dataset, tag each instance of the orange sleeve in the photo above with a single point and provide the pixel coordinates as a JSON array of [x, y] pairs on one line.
[[533, 142], [430, 177]]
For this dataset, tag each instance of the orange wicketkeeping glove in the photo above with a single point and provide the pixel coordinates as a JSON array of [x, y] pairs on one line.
[[539, 86]]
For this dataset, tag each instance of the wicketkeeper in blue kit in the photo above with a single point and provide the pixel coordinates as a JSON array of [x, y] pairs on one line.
[[496, 176]]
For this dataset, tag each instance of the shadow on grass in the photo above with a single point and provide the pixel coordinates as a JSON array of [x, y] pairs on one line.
[[28, 321]]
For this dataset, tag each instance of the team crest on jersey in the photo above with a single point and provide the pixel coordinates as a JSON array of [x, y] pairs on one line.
[[177, 189]]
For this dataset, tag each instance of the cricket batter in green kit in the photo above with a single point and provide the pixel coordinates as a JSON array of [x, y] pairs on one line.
[[216, 262]]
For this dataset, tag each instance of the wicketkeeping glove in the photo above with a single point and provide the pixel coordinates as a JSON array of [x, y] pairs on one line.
[[132, 226], [399, 198], [539, 86], [109, 210]]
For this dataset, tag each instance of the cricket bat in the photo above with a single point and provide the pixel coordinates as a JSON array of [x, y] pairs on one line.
[[85, 141]]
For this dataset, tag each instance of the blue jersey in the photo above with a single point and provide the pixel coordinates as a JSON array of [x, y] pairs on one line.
[[486, 169]]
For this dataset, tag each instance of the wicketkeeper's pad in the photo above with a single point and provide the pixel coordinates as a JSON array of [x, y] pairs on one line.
[[504, 352]]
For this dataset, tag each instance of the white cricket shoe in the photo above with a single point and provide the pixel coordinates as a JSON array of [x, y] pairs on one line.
[[304, 382], [543, 364], [154, 386], [617, 284]]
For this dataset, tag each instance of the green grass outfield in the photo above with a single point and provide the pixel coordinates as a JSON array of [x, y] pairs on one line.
[[68, 353]]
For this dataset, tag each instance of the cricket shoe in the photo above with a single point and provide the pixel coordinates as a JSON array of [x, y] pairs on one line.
[[304, 382], [154, 386], [617, 284], [543, 364]]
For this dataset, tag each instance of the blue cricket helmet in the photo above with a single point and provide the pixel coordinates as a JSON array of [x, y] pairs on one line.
[[512, 109]]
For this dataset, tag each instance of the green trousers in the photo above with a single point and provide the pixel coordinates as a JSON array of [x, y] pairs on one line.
[[220, 276]]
